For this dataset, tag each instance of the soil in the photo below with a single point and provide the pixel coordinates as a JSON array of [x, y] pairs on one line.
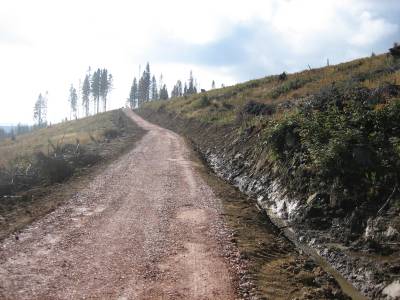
[[155, 224], [363, 269], [148, 227], [38, 198], [275, 268]]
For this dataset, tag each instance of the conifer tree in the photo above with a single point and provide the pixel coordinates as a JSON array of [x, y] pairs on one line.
[[141, 91], [177, 90], [191, 86], [164, 93], [73, 100], [146, 83], [104, 87], [133, 96], [40, 110], [86, 94], [95, 89], [154, 89]]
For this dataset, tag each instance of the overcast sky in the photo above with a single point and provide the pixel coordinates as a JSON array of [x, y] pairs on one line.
[[47, 45]]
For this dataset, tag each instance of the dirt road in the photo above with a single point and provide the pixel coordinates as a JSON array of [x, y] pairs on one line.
[[147, 227]]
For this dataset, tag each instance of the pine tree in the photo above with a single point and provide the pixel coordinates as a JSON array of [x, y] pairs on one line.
[[191, 86], [133, 94], [213, 85], [40, 110], [164, 93], [177, 90], [95, 89], [154, 90], [146, 83], [141, 91], [104, 87], [86, 94], [73, 100]]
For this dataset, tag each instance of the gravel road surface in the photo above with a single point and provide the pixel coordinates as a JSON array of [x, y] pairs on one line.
[[147, 227]]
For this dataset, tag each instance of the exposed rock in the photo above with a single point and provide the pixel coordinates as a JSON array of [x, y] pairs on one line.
[[392, 290], [391, 232]]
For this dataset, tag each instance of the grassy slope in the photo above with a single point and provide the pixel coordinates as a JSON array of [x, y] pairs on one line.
[[226, 102], [24, 198], [66, 133], [332, 130]]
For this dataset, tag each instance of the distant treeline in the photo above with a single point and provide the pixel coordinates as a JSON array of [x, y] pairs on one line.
[[95, 88], [13, 131], [147, 89]]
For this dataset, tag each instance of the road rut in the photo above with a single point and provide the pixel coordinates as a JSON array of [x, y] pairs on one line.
[[147, 227]]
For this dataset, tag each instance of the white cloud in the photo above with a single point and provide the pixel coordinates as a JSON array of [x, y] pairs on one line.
[[371, 30], [47, 44]]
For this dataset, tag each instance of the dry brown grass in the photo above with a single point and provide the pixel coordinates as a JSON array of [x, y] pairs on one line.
[[260, 90], [83, 130]]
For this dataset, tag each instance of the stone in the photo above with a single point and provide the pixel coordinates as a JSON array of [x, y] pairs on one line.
[[392, 290], [391, 232], [312, 198]]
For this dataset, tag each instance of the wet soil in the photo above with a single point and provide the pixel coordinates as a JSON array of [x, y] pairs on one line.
[[275, 268]]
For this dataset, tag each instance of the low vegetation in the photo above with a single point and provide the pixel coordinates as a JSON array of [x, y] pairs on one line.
[[32, 163], [332, 131]]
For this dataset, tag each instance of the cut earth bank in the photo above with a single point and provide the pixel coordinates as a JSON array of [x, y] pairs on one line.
[[371, 267]]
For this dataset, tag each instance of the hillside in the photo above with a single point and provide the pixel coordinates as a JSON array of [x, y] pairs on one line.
[[319, 150], [37, 163]]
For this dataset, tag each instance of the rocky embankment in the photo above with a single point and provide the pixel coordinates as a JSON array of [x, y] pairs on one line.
[[365, 253]]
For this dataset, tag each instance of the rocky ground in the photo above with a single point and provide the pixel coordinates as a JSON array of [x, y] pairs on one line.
[[370, 260], [155, 224]]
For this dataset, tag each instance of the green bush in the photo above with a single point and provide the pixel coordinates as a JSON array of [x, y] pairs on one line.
[[201, 103], [356, 148]]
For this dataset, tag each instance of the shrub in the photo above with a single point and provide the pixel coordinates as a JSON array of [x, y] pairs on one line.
[[357, 148], [53, 169], [257, 108], [289, 86], [202, 102], [111, 133]]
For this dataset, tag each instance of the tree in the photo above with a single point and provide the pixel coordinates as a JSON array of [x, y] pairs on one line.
[[144, 86], [177, 90], [190, 88], [73, 100], [95, 89], [164, 93], [141, 92], [21, 128], [104, 87], [213, 85], [147, 82], [106, 81], [133, 95], [3, 133], [40, 110], [86, 94], [154, 90], [110, 82]]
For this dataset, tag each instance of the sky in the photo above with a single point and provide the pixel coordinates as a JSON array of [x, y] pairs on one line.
[[47, 45]]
